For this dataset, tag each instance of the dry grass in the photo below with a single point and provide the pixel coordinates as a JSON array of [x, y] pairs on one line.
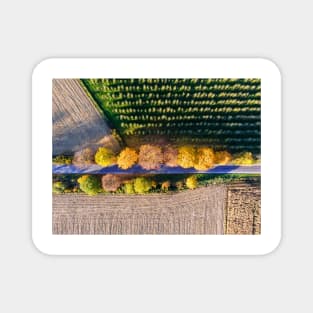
[[243, 211], [76, 121], [197, 211]]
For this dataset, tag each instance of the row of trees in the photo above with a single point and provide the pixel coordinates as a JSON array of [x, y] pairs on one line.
[[93, 184], [152, 157]]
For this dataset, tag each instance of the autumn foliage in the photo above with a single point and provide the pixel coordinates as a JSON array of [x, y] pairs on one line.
[[105, 157], [170, 155], [150, 157], [186, 156], [142, 184], [245, 158], [90, 184], [166, 185], [111, 182], [127, 158], [191, 182], [222, 157], [83, 157], [205, 159]]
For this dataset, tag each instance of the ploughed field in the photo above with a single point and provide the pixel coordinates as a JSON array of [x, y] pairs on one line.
[[77, 122], [190, 212], [243, 210], [221, 113], [206, 210]]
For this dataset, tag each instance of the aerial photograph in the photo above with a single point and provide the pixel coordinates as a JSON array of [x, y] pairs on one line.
[[156, 156]]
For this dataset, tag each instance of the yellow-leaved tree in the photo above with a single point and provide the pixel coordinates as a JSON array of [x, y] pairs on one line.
[[205, 159], [186, 156], [192, 182], [245, 158], [105, 157], [127, 158]]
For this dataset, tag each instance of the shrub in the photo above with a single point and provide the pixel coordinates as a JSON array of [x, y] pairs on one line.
[[150, 157], [89, 184], [129, 187], [58, 187], [111, 182], [245, 158], [105, 157], [179, 185], [222, 157], [192, 182], [83, 157], [186, 156], [205, 158], [142, 185], [170, 156], [127, 158], [166, 185], [62, 159]]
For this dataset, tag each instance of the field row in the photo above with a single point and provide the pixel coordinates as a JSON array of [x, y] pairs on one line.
[[176, 108]]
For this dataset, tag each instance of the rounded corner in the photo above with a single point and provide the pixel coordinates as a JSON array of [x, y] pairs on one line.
[[268, 62], [40, 65], [38, 247], [273, 247]]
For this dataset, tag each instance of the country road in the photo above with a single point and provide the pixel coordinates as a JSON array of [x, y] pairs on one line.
[[96, 169]]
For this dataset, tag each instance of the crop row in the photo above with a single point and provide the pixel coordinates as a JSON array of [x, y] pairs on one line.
[[112, 82]]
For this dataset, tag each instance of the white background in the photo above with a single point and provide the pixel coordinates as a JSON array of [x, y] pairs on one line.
[[34, 30]]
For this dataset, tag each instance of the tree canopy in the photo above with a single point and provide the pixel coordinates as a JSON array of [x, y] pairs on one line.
[[105, 157], [90, 184], [150, 157], [127, 158]]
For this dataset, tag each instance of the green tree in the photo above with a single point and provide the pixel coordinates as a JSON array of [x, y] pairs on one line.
[[58, 187], [90, 184]]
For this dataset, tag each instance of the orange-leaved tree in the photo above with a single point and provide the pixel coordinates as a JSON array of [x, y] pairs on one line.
[[222, 157], [127, 158], [166, 185]]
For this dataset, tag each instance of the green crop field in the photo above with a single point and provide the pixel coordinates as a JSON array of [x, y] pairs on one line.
[[221, 113]]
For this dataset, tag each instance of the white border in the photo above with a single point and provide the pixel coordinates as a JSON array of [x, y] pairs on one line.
[[156, 244]]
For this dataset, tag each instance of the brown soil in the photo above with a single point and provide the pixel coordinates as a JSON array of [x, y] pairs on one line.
[[197, 211], [243, 211], [76, 121]]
